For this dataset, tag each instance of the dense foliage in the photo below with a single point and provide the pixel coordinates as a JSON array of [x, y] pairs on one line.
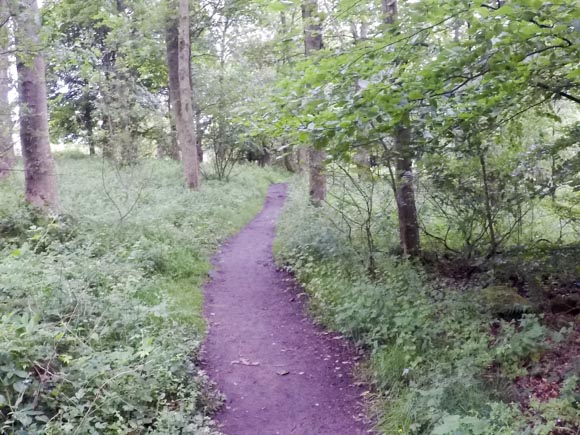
[[443, 356], [108, 77], [484, 92], [479, 333], [101, 307]]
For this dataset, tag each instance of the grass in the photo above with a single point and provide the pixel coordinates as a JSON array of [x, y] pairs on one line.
[[100, 308]]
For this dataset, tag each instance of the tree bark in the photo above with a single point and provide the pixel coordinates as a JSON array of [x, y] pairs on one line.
[[172, 51], [6, 127], [488, 206], [185, 121], [407, 210], [389, 10], [405, 190], [288, 163], [40, 177], [125, 98], [313, 42], [316, 160], [88, 123]]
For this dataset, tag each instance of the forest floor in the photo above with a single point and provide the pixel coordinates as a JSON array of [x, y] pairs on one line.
[[280, 373]]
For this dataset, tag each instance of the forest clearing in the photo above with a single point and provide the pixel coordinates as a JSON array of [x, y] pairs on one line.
[[329, 217]]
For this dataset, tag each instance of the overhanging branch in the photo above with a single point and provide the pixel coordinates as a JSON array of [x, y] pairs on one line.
[[560, 93]]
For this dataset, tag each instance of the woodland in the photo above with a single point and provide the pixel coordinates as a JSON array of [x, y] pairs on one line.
[[432, 153]]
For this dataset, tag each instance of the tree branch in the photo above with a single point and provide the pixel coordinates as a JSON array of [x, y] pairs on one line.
[[560, 93], [407, 37]]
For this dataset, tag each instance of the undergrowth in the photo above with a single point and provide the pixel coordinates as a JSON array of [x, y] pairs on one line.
[[100, 308], [442, 359]]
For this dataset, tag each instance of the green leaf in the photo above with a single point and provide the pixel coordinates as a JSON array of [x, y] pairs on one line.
[[19, 387]]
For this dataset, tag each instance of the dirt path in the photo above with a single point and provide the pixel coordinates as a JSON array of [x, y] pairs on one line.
[[279, 372]]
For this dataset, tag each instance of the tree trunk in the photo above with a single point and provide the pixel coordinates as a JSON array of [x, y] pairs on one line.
[[288, 164], [389, 10], [407, 210], [313, 42], [172, 51], [405, 191], [124, 94], [316, 160], [108, 147], [488, 206], [39, 171], [91, 139], [284, 37], [125, 129], [302, 159], [6, 126], [89, 126], [185, 121]]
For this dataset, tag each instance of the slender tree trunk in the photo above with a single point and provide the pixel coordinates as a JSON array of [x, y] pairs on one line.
[[222, 147], [302, 159], [488, 209], [172, 51], [389, 10], [313, 42], [354, 31], [362, 156], [108, 147], [407, 210], [284, 36], [364, 30], [89, 125], [124, 87], [185, 121], [169, 148], [125, 130], [293, 155], [316, 159], [40, 176], [90, 138], [6, 142], [405, 190], [6, 126], [108, 67], [288, 164], [122, 98]]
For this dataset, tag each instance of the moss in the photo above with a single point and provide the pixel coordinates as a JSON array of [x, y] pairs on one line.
[[503, 301]]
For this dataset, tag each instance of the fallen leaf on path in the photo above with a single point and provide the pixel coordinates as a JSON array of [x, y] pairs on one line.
[[282, 372]]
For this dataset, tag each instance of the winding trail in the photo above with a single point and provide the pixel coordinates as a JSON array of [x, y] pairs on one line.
[[280, 373]]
